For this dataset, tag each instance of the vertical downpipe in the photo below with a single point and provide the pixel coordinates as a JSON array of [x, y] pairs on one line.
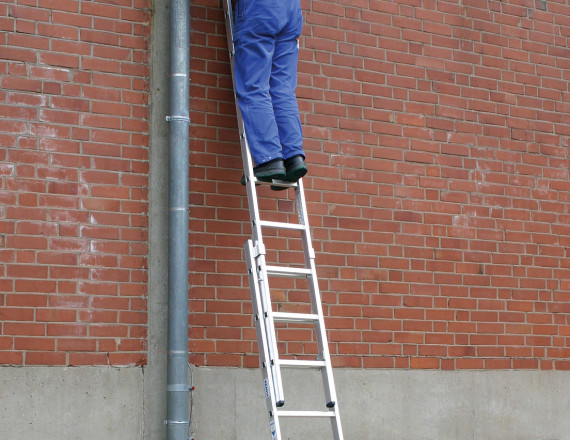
[[177, 380]]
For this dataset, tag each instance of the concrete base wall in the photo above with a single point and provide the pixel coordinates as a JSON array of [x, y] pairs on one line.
[[91, 403], [55, 403], [391, 405]]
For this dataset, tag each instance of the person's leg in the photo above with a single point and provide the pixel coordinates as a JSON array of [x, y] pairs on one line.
[[254, 45], [283, 83]]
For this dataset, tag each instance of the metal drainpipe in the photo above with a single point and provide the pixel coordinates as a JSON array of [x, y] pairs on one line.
[[177, 380]]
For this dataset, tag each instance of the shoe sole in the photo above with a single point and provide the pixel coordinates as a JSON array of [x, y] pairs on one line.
[[268, 177]]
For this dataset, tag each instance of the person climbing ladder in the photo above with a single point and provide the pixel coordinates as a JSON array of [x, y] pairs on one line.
[[266, 44]]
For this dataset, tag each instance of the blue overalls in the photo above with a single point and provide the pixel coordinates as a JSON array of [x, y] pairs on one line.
[[266, 54]]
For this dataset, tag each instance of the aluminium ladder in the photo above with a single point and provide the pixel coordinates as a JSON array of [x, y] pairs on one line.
[[258, 273]]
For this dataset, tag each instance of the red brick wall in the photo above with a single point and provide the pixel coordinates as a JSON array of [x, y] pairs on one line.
[[437, 135], [73, 181]]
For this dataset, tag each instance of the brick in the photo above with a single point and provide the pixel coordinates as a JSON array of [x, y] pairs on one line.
[[45, 358], [100, 10], [18, 54], [70, 18], [66, 330], [88, 359], [70, 344], [29, 13], [59, 59], [24, 329], [126, 359], [62, 5], [34, 344], [55, 315]]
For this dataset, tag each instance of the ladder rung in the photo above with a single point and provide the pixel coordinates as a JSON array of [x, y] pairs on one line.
[[294, 226], [330, 414], [280, 183], [296, 363], [295, 317], [288, 271]]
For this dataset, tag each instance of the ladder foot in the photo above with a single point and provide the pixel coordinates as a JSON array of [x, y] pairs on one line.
[[331, 404], [280, 403]]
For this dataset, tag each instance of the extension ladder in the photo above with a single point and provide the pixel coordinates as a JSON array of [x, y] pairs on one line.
[[259, 272]]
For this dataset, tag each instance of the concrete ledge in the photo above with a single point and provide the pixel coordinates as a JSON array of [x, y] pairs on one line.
[[57, 403], [392, 405], [90, 403]]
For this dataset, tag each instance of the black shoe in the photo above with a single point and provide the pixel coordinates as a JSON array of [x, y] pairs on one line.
[[266, 172], [296, 168]]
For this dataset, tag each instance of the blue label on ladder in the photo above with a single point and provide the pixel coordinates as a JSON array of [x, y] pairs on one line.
[[273, 430]]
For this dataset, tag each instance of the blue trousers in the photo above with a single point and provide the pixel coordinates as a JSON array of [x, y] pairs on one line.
[[265, 70]]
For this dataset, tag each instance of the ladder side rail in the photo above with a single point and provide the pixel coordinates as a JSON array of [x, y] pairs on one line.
[[336, 426], [316, 304], [263, 284], [262, 344], [245, 153], [255, 219], [231, 50]]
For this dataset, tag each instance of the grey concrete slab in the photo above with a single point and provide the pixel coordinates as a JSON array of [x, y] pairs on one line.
[[83, 403], [88, 403], [393, 405]]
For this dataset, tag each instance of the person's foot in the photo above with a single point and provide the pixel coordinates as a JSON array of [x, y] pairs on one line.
[[266, 172], [295, 168], [274, 169]]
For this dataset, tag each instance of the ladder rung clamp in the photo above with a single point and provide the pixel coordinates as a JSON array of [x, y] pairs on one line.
[[259, 250]]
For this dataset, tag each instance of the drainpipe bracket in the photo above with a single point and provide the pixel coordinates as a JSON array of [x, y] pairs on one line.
[[177, 118], [177, 422]]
